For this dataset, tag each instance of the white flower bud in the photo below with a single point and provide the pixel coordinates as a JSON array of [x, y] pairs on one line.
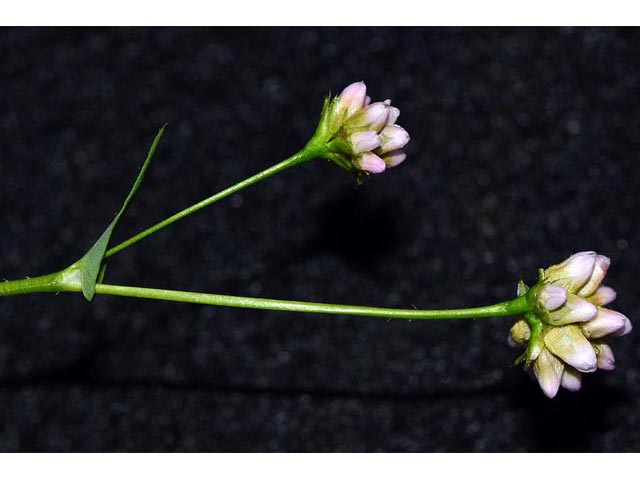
[[604, 323], [548, 370], [393, 137], [571, 379], [569, 344], [606, 360], [573, 273], [600, 267], [394, 113], [568, 320], [627, 327], [575, 309], [602, 296], [395, 158]]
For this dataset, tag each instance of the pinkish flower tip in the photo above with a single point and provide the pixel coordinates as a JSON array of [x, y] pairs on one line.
[[395, 158], [626, 328], [604, 323], [606, 359], [394, 113], [552, 297], [548, 370], [353, 97], [571, 379], [370, 162], [603, 296], [574, 272], [575, 309], [393, 137], [364, 141], [371, 117], [600, 267]]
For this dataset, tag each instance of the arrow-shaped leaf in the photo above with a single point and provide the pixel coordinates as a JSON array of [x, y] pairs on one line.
[[92, 264]]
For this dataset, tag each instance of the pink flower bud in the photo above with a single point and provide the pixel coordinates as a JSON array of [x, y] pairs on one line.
[[552, 297], [569, 344], [626, 328], [353, 97], [395, 158], [351, 126], [573, 273], [394, 137], [371, 117], [605, 322], [606, 360], [370, 162], [602, 296], [576, 309], [364, 141], [548, 370], [394, 113], [571, 379], [600, 268]]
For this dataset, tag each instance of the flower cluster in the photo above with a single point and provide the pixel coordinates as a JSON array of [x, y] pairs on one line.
[[362, 135], [568, 333]]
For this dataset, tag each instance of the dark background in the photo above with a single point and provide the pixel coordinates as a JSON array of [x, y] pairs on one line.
[[524, 150]]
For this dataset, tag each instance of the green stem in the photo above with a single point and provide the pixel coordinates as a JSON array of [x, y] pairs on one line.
[[68, 280], [43, 284], [512, 307], [307, 153]]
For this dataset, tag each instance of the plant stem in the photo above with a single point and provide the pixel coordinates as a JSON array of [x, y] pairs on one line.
[[512, 307], [68, 280], [307, 153], [42, 284]]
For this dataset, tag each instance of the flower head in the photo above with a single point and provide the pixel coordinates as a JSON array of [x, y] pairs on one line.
[[567, 334], [359, 135]]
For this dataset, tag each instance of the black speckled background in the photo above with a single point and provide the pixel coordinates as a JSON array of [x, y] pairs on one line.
[[525, 146]]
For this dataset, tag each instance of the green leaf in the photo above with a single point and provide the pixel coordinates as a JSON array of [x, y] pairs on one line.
[[92, 265]]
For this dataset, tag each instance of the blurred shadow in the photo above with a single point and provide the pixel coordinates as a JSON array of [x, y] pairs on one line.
[[357, 228]]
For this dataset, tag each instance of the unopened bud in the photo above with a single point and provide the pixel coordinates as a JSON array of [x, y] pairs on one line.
[[626, 328], [371, 117], [394, 113], [370, 162], [606, 360], [575, 309], [519, 333], [548, 370], [604, 323], [395, 158], [602, 296], [393, 137], [571, 379], [569, 344], [358, 135], [353, 97], [552, 297], [364, 141], [600, 267], [573, 273]]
